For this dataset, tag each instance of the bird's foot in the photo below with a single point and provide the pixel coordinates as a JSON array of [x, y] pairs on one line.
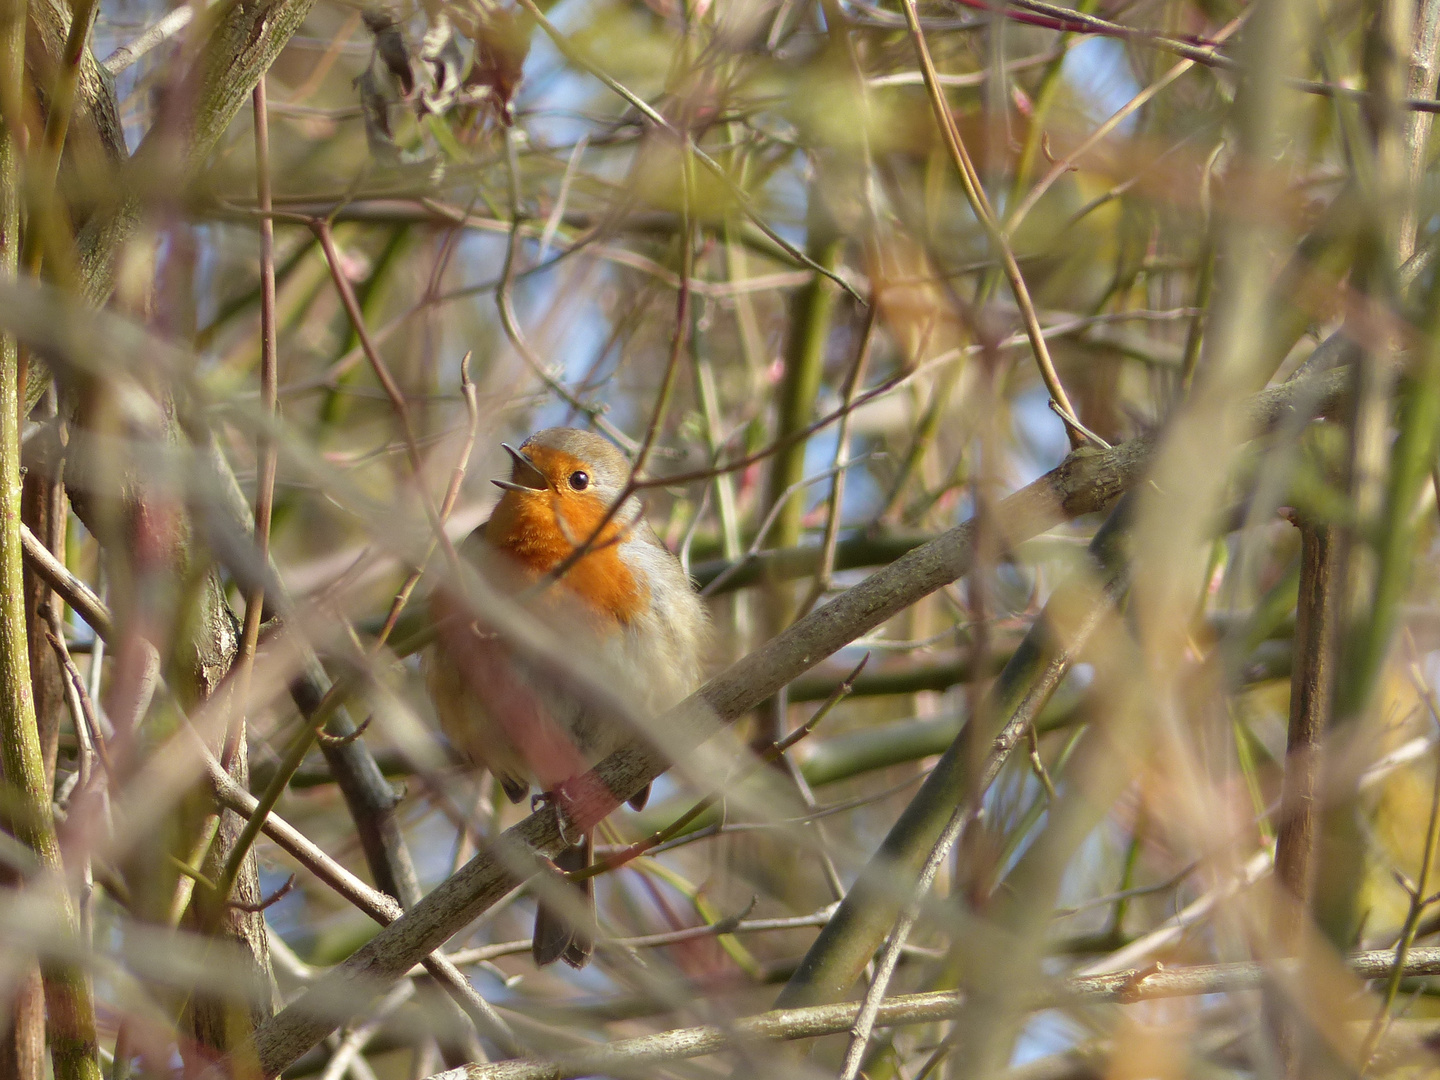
[[564, 820]]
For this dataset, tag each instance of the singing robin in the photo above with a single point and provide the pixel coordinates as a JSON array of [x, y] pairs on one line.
[[627, 599]]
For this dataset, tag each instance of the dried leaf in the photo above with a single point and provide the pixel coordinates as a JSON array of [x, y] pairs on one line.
[[391, 49], [375, 106], [502, 41], [443, 64]]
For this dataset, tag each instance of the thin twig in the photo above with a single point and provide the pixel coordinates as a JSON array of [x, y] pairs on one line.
[[88, 797], [736, 924], [163, 30], [1064, 164], [88, 735], [266, 449], [753, 552], [553, 222], [1417, 891], [825, 575], [447, 504], [771, 754], [75, 592], [382, 908], [264, 902], [1015, 727], [985, 214]]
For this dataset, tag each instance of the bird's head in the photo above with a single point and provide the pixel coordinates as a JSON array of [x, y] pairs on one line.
[[568, 477]]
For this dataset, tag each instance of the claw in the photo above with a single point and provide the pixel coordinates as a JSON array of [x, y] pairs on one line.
[[563, 824]]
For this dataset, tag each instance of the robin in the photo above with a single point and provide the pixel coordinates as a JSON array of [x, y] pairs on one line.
[[627, 598]]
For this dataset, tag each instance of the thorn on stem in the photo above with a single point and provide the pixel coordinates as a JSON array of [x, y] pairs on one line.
[[344, 740], [1076, 427], [1129, 991], [274, 898]]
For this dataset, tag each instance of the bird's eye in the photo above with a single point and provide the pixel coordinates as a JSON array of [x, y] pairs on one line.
[[579, 480]]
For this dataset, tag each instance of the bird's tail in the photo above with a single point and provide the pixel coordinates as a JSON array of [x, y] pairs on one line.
[[557, 937]]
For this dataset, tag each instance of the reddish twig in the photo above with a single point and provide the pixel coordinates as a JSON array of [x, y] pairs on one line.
[[267, 453], [452, 493]]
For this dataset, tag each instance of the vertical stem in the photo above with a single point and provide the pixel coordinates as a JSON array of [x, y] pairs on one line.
[[1419, 900], [985, 215], [1386, 475], [1312, 683], [67, 991], [1421, 84], [265, 449], [22, 1033], [265, 452], [839, 464], [22, 1036], [1195, 333], [45, 224], [681, 338], [811, 315], [227, 914], [804, 364], [43, 510]]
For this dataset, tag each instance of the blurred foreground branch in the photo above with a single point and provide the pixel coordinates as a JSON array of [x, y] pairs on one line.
[[1140, 984]]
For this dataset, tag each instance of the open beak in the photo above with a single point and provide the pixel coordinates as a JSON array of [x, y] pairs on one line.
[[524, 476]]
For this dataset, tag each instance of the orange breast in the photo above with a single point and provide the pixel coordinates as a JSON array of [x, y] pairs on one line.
[[541, 529]]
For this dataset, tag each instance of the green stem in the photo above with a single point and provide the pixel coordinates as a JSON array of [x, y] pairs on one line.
[[1418, 903], [870, 909], [1044, 97], [57, 126], [804, 365], [813, 313], [1195, 333], [68, 998], [294, 755]]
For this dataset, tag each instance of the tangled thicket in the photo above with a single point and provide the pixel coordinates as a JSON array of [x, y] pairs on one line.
[[1045, 399]]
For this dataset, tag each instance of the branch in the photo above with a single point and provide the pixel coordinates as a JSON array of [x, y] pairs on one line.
[[382, 908], [1085, 482], [625, 1057], [1023, 689], [74, 591], [241, 41]]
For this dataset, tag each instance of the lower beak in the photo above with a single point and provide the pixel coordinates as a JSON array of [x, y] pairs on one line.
[[524, 476]]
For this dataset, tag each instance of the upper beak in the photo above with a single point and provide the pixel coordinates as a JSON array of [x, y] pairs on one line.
[[524, 476]]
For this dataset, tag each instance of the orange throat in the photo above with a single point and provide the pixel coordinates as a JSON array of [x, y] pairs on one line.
[[541, 529]]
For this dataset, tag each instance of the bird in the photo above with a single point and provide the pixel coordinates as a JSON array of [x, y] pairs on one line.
[[627, 599]]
